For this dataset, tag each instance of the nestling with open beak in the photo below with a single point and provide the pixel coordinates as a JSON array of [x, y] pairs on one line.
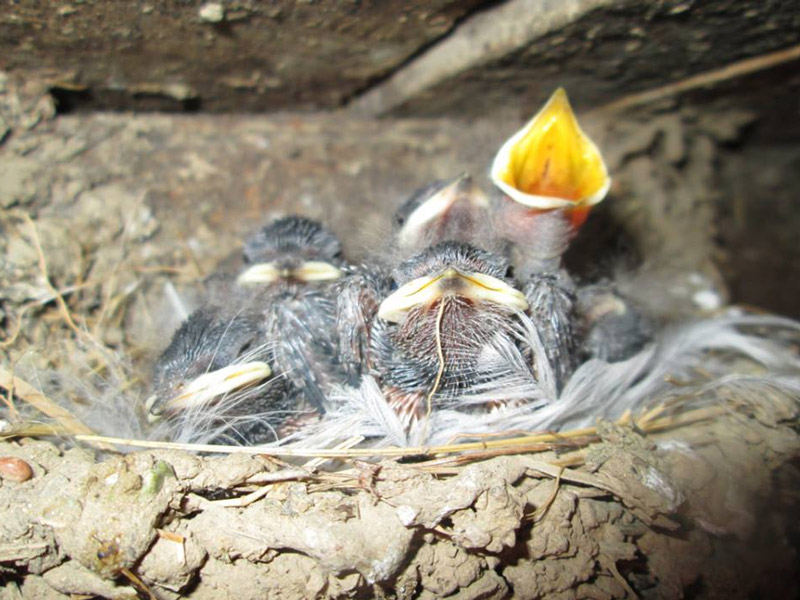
[[214, 384], [453, 306], [551, 174]]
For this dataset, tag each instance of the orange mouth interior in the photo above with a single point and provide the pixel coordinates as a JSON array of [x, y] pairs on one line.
[[553, 158]]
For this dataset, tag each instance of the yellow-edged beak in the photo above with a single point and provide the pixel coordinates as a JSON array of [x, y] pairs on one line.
[[551, 163], [461, 189], [204, 389], [307, 272], [427, 290]]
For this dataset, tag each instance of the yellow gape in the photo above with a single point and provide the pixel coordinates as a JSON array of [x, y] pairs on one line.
[[551, 163]]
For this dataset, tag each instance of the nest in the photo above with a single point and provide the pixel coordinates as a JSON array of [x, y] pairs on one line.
[[658, 504], [646, 507], [684, 498]]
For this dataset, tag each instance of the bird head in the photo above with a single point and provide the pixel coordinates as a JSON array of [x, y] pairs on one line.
[[209, 358], [291, 250], [454, 209], [450, 269], [551, 164]]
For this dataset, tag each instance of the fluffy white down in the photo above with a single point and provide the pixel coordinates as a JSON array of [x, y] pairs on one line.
[[750, 355]]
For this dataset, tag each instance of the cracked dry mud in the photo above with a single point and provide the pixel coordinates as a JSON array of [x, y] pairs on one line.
[[675, 517]]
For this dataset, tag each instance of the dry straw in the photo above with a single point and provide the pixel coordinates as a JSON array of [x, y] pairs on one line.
[[660, 418]]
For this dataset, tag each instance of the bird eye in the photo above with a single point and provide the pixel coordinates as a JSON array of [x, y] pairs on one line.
[[393, 286]]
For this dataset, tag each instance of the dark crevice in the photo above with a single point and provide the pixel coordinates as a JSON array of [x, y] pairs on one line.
[[70, 100]]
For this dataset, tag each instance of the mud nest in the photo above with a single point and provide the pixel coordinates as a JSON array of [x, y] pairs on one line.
[[675, 502]]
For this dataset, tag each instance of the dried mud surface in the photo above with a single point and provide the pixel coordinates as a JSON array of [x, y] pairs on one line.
[[228, 56], [658, 516], [100, 212]]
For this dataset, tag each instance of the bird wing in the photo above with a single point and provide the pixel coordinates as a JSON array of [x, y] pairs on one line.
[[357, 295], [302, 325]]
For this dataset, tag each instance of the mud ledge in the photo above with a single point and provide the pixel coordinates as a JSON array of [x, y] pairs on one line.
[[697, 508]]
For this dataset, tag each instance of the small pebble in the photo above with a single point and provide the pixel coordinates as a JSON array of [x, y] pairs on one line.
[[212, 12], [15, 469]]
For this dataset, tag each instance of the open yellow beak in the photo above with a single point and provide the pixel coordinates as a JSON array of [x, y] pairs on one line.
[[307, 272], [551, 163], [427, 290], [209, 386]]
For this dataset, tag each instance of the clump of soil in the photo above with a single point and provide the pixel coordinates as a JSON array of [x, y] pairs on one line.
[[656, 515]]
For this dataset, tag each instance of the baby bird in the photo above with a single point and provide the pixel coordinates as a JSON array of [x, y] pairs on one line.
[[613, 328], [291, 266], [213, 383], [458, 210], [455, 209], [453, 313], [319, 307], [550, 174], [270, 318]]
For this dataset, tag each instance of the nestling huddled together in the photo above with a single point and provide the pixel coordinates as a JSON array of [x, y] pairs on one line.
[[472, 311]]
